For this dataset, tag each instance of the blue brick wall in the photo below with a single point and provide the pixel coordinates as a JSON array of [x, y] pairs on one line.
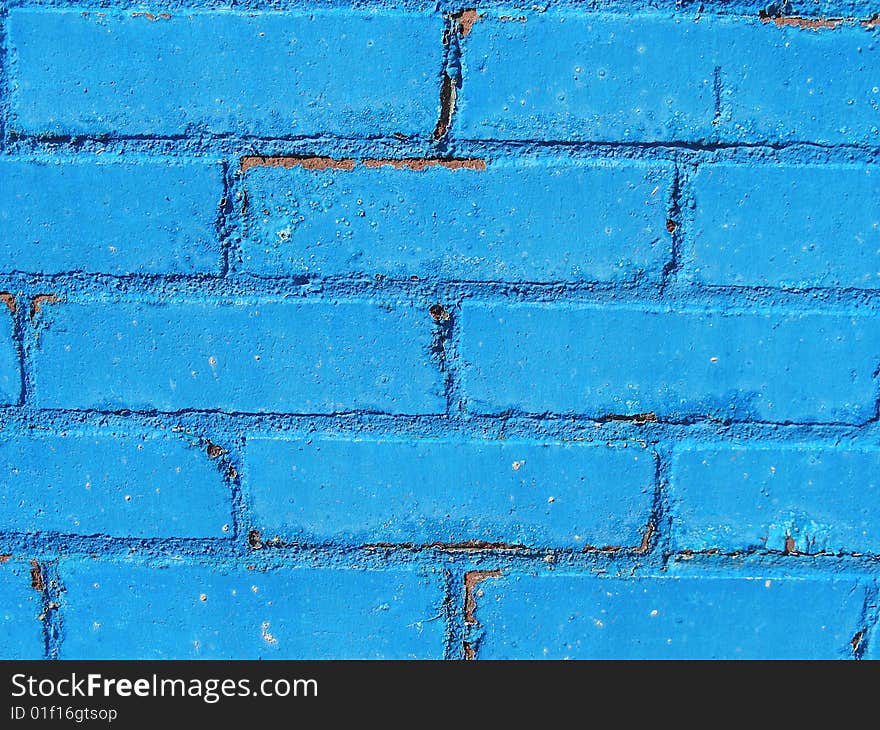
[[429, 330]]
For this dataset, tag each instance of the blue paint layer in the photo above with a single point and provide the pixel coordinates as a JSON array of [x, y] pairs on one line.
[[270, 74], [258, 357], [787, 226], [128, 611], [423, 492], [144, 217], [10, 370], [513, 221], [599, 361], [588, 617], [202, 324], [611, 77], [784, 84], [21, 630], [818, 500], [110, 484], [586, 77]]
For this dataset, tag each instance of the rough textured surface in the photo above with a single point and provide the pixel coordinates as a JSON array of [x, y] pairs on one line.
[[453, 493], [303, 73], [112, 485], [739, 366], [263, 356], [586, 617], [793, 499], [410, 329], [20, 608], [146, 217], [611, 77], [126, 611], [520, 221], [761, 226]]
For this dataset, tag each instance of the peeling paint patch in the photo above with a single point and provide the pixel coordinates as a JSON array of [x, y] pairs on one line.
[[288, 161], [471, 580]]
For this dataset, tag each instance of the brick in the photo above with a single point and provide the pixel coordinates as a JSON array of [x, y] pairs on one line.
[[786, 84], [801, 498], [21, 636], [143, 217], [751, 366], [128, 611], [588, 617], [452, 492], [791, 226], [298, 357], [513, 220], [610, 77], [269, 74], [110, 484], [593, 77], [10, 371]]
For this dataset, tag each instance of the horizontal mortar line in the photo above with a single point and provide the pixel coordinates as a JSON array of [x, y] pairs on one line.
[[48, 546], [232, 429], [709, 565], [246, 288], [670, 145], [228, 144], [340, 556], [471, 547], [685, 555], [31, 413], [129, 540], [198, 134]]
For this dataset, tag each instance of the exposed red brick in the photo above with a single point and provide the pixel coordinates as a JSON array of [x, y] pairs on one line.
[[9, 300], [796, 21], [38, 583], [468, 546], [471, 580], [646, 539], [465, 20], [423, 163], [288, 161], [39, 301]]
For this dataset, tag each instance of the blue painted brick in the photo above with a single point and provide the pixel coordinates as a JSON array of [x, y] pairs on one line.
[[249, 357], [610, 77], [804, 226], [586, 77], [143, 217], [588, 617], [21, 630], [783, 84], [269, 74], [109, 484], [510, 221], [451, 492], [128, 611], [10, 370], [816, 499], [771, 367]]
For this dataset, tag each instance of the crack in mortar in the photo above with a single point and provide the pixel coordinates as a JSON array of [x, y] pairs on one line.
[[417, 164], [797, 21], [458, 26]]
